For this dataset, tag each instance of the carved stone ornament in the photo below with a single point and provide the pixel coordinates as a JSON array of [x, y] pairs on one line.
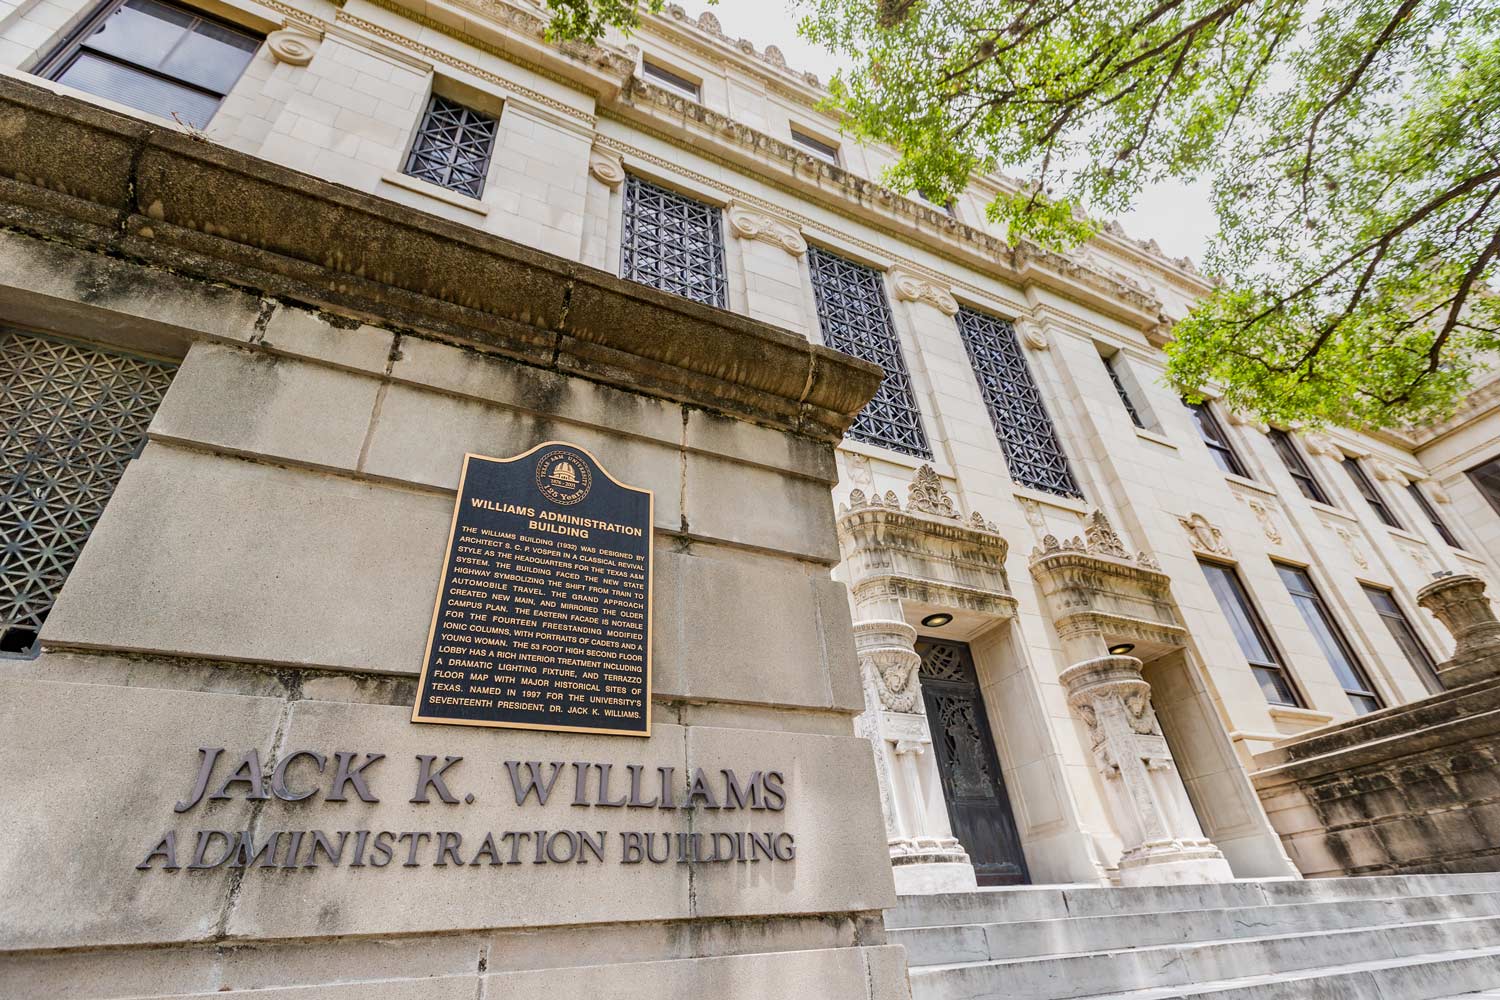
[[927, 496], [753, 224], [1436, 492], [1203, 536], [293, 44], [1266, 516], [1241, 419], [1459, 602], [607, 167], [1032, 335], [912, 287], [1356, 551], [1322, 444], [1386, 472]]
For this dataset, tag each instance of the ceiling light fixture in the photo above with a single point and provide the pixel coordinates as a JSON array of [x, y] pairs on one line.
[[1121, 648], [937, 621]]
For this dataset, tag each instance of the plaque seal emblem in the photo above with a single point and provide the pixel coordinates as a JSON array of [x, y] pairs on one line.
[[563, 476]]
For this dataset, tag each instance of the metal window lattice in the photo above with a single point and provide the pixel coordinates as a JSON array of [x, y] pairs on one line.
[[70, 419], [1021, 423], [856, 319], [453, 147], [673, 243]]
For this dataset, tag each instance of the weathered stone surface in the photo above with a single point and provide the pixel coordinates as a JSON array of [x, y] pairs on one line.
[[759, 508]]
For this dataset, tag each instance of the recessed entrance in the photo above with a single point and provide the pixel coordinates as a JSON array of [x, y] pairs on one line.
[[973, 788]]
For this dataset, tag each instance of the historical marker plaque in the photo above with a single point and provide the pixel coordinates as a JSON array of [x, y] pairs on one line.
[[543, 617]]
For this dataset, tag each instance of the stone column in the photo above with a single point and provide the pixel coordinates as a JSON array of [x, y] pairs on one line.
[[1152, 813], [925, 855], [1459, 603]]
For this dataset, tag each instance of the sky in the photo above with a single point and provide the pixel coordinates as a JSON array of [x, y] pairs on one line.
[[1178, 216]]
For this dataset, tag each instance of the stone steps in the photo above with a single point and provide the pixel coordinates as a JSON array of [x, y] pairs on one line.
[[1417, 936]]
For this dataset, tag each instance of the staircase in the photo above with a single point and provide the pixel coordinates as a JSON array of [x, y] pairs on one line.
[[1404, 937]]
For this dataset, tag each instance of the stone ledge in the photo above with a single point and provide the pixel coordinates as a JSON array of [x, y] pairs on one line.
[[73, 172]]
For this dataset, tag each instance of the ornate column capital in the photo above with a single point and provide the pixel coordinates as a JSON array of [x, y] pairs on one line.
[[913, 287], [1459, 602], [294, 43], [1322, 444], [606, 166], [757, 224]]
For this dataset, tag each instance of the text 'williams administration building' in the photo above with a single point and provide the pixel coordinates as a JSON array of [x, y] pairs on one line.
[[469, 509]]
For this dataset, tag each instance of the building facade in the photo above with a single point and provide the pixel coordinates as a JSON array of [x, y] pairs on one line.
[[1080, 607]]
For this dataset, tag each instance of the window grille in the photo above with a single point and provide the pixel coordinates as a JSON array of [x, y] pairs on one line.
[[1125, 400], [673, 243], [1251, 635], [1372, 495], [453, 147], [1330, 637], [155, 57], [70, 418], [856, 318], [1020, 419], [1296, 465], [1212, 433]]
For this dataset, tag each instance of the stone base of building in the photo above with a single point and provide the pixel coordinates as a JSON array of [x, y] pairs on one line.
[[1410, 790], [1174, 862], [928, 878]]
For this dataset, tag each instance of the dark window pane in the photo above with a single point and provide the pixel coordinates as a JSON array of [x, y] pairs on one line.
[[140, 90], [817, 147], [212, 57], [1330, 639], [675, 81], [453, 146], [856, 319], [1367, 490], [1273, 684], [1213, 435], [673, 243], [1020, 419], [1125, 400], [1426, 507], [1251, 635], [1486, 479], [142, 32], [1406, 638], [1295, 464]]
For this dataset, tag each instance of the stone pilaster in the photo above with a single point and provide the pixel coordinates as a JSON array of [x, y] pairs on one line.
[[1460, 604]]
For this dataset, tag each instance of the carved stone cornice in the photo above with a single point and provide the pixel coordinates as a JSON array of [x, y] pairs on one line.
[[756, 224], [913, 287]]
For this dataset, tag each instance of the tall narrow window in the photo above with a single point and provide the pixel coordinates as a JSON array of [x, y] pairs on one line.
[[1330, 638], [675, 81], [1401, 630], [856, 319], [1212, 433], [1295, 464], [1251, 634], [1486, 479], [1120, 390], [155, 57], [1428, 510], [71, 417], [673, 243], [1032, 451], [1367, 490], [453, 147]]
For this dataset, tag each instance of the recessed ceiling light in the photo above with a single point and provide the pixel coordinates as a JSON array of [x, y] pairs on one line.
[[938, 620], [1121, 648]]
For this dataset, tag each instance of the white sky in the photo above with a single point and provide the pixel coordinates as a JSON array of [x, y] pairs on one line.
[[1178, 216]]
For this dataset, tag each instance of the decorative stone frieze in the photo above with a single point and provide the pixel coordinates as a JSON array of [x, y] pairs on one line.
[[912, 287], [607, 166], [1459, 602], [754, 224], [1203, 536], [294, 44], [924, 553], [1151, 809]]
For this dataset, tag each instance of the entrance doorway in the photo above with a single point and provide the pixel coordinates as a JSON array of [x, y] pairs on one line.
[[973, 786]]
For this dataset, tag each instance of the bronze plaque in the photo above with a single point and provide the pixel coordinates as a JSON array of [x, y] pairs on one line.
[[543, 618]]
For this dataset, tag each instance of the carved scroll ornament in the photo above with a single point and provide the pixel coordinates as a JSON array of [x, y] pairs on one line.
[[912, 287], [750, 224]]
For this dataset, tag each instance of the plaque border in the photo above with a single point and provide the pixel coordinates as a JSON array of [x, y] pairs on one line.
[[437, 604]]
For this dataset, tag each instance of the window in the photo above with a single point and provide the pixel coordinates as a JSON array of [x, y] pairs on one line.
[[816, 147], [1486, 479], [1254, 641], [1213, 435], [71, 417], [1367, 490], [675, 81], [1406, 637], [673, 243], [1032, 451], [1330, 639], [1292, 458], [856, 319], [1120, 390], [155, 57], [1425, 506], [453, 147]]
